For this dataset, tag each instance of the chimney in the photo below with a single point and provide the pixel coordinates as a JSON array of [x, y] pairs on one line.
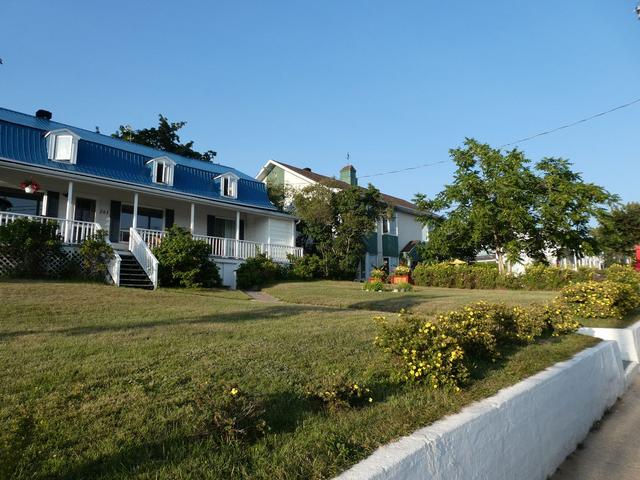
[[348, 175], [44, 114], [306, 169]]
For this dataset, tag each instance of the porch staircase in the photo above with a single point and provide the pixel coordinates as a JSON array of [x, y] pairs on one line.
[[132, 275]]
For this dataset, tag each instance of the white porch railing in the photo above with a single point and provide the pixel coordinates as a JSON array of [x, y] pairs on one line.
[[230, 247], [71, 231], [139, 248]]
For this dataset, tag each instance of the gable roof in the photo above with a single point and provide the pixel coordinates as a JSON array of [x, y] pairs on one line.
[[22, 139], [316, 177]]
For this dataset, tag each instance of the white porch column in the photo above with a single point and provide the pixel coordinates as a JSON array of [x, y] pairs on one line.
[[237, 233], [68, 230], [45, 201], [192, 223], [135, 211], [268, 252]]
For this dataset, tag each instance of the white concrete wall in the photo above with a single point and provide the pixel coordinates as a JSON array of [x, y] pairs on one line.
[[524, 432], [628, 339], [227, 269]]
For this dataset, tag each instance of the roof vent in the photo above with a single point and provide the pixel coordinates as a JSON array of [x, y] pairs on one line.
[[44, 114], [306, 169]]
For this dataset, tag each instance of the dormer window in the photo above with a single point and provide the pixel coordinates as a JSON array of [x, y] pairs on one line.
[[62, 146], [228, 185], [162, 170]]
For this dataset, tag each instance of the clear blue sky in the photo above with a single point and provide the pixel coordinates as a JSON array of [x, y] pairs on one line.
[[395, 83]]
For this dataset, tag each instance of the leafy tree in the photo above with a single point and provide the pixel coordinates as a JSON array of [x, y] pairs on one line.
[[491, 195], [164, 137], [498, 203], [565, 206], [335, 222], [447, 240], [619, 231]]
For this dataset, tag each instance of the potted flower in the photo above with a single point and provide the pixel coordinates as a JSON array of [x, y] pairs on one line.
[[402, 274], [30, 186], [377, 275]]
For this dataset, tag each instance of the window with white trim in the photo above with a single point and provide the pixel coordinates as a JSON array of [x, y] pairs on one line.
[[162, 169], [62, 146], [229, 186]]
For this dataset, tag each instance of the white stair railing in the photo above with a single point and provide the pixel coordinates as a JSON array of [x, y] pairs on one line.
[[145, 257]]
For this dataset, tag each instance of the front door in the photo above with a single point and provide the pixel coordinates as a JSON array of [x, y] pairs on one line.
[[85, 210]]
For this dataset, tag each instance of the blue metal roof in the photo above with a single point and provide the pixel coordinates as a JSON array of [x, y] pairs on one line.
[[22, 139]]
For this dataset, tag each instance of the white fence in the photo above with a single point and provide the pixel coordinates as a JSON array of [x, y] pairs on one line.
[[71, 231], [230, 247]]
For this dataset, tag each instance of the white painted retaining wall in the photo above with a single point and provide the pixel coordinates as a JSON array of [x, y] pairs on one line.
[[524, 432], [628, 339]]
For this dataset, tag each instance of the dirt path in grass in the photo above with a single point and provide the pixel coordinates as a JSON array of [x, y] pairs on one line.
[[261, 296]]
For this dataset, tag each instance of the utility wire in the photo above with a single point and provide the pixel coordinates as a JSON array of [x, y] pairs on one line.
[[522, 140]]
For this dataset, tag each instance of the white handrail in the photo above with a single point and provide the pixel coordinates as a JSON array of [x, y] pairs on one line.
[[144, 255], [71, 231]]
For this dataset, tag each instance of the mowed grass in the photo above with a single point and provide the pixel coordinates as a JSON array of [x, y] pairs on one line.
[[624, 322], [99, 382], [422, 300]]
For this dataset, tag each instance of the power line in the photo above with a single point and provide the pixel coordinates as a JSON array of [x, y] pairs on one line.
[[404, 169], [573, 124], [522, 140]]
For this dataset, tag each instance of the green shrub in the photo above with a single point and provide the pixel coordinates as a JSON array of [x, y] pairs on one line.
[[444, 352], [96, 254], [30, 244], [228, 414], [258, 271], [606, 299], [185, 262], [403, 287], [486, 276], [306, 267], [376, 286]]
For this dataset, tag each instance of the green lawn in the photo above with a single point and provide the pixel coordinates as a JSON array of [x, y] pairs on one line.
[[422, 300], [99, 382], [628, 320]]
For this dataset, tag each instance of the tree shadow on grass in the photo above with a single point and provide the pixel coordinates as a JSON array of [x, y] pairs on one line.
[[268, 312], [394, 304]]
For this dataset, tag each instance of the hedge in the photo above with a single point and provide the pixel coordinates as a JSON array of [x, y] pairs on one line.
[[486, 276]]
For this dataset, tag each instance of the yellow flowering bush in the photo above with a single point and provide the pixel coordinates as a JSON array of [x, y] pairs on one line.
[[341, 394], [624, 274], [228, 414], [606, 299], [444, 352]]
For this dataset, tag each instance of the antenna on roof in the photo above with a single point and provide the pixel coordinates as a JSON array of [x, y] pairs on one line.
[[97, 129], [348, 156]]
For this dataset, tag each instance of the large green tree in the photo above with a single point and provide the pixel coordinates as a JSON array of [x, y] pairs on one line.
[[163, 137], [619, 231], [499, 202], [334, 223]]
